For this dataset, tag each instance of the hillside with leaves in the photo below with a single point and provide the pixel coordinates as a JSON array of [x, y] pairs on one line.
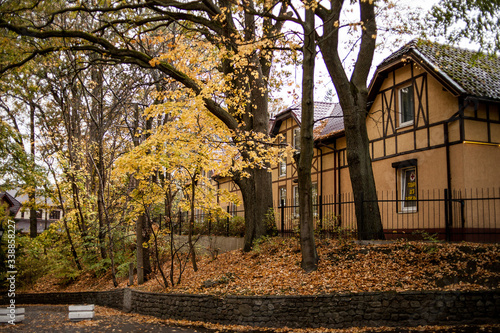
[[273, 268]]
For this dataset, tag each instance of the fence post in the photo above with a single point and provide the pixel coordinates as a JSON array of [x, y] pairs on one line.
[[320, 211], [180, 222], [227, 222], [447, 214], [209, 224], [361, 233], [282, 208]]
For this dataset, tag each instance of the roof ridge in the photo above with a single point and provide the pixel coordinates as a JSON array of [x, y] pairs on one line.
[[469, 72]]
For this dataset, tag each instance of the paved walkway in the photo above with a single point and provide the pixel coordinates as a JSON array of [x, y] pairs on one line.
[[54, 318]]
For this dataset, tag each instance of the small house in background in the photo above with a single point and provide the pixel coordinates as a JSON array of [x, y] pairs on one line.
[[9, 203], [433, 120], [47, 215]]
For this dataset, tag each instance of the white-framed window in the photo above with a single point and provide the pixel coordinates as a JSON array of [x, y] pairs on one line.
[[282, 164], [406, 106], [282, 168], [314, 193], [296, 201], [408, 181], [282, 196], [296, 138]]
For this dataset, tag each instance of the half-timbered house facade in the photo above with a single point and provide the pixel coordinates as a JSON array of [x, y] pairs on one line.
[[433, 121]]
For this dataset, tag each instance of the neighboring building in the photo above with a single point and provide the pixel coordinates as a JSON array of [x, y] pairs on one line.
[[45, 216], [10, 203], [434, 128]]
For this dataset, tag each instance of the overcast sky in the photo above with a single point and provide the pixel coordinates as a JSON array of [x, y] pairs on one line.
[[291, 93]]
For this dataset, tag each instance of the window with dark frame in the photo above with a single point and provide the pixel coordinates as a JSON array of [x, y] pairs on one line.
[[407, 185], [55, 215], [408, 189]]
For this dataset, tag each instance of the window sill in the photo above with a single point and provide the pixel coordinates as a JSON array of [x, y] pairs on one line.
[[405, 125], [408, 211]]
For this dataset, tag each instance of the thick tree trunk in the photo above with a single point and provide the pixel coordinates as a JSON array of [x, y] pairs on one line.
[[143, 262], [307, 243], [353, 97], [257, 201], [361, 175]]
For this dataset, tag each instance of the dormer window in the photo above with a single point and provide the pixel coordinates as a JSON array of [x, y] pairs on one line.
[[406, 106]]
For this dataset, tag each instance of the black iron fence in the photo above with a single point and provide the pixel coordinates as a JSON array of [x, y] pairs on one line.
[[458, 215], [469, 215], [232, 225]]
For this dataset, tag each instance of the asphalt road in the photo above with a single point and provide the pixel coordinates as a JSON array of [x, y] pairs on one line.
[[54, 318]]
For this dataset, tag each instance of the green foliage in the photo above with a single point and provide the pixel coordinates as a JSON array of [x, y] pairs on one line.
[[100, 267], [123, 269], [259, 242], [233, 227], [15, 165], [473, 20], [329, 223], [432, 238], [270, 222]]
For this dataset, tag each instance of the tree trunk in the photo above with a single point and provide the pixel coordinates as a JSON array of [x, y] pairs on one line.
[[100, 199], [32, 191], [257, 201], [65, 222], [143, 265], [307, 243], [361, 174], [353, 97], [192, 251]]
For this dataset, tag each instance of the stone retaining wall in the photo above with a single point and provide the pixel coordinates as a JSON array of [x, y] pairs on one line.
[[335, 311]]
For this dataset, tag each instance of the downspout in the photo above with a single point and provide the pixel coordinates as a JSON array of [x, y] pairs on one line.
[[218, 189], [321, 200], [321, 172], [337, 177], [458, 115]]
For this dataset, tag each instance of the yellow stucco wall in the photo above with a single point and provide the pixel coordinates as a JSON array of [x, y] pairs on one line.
[[471, 165]]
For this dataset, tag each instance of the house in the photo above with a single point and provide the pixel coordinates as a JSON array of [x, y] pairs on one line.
[[434, 129], [10, 203], [47, 214]]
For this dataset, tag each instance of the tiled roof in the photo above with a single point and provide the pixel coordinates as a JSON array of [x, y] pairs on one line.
[[328, 118], [15, 205], [335, 123], [472, 73], [321, 110]]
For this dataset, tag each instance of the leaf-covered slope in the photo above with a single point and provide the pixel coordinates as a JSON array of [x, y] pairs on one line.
[[273, 268]]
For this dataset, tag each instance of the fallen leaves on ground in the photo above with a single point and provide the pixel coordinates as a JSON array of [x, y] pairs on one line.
[[273, 268]]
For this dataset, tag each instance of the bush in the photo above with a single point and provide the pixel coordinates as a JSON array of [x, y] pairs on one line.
[[235, 227]]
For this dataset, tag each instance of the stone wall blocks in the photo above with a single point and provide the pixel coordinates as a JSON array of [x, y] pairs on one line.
[[335, 311]]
